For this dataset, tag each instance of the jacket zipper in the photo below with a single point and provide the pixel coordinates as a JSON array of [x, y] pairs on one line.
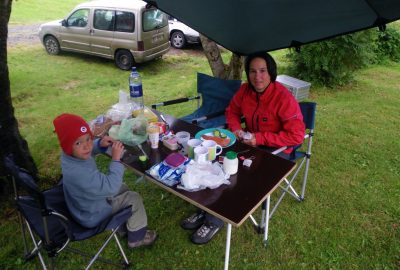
[[255, 124]]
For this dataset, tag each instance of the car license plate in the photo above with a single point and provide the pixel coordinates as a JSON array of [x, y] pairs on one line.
[[157, 38]]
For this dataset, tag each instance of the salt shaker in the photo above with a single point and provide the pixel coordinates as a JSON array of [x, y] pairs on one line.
[[231, 162]]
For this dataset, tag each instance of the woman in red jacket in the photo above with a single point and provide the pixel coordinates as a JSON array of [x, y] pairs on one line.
[[273, 116], [273, 119]]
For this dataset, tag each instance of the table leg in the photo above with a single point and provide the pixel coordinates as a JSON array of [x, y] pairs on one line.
[[228, 245], [267, 204]]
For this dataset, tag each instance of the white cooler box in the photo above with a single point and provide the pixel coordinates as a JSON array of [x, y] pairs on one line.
[[300, 89]]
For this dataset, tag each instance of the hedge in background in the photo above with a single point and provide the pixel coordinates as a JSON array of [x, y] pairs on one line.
[[333, 62], [388, 45]]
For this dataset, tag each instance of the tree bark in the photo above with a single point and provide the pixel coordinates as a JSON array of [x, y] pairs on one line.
[[11, 141], [219, 69]]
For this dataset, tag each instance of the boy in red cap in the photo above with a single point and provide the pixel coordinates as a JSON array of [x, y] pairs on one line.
[[91, 196]]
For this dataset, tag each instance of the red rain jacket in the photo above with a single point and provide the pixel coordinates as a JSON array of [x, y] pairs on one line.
[[274, 116]]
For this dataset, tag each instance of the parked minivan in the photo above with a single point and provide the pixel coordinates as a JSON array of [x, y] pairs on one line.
[[128, 31]]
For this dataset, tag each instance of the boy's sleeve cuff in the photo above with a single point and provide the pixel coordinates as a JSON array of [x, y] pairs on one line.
[[102, 149]]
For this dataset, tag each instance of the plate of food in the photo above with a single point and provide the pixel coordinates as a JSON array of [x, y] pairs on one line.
[[221, 136]]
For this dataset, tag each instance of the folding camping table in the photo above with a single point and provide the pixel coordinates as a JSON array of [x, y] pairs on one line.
[[233, 203]]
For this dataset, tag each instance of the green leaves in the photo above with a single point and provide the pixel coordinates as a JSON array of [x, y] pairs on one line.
[[333, 62]]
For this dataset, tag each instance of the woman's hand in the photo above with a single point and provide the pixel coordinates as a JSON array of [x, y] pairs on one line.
[[239, 134], [250, 139], [106, 141], [117, 150]]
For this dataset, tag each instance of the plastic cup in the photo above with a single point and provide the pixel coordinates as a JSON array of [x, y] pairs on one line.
[[183, 137], [154, 135]]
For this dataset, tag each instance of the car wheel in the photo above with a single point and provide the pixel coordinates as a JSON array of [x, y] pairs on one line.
[[124, 59], [51, 44], [178, 40]]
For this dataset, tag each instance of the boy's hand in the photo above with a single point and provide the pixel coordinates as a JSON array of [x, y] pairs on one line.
[[117, 150], [106, 141]]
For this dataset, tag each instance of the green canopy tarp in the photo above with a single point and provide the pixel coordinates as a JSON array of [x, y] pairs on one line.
[[246, 26]]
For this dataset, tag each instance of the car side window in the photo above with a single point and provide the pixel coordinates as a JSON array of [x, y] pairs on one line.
[[79, 18], [125, 21], [103, 19]]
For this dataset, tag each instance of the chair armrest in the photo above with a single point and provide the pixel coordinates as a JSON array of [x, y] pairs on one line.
[[174, 101], [277, 151], [208, 116]]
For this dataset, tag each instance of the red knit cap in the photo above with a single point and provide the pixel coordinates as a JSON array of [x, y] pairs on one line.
[[69, 128]]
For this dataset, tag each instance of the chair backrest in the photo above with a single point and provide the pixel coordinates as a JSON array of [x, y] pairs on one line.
[[216, 94], [23, 179], [37, 206], [308, 111]]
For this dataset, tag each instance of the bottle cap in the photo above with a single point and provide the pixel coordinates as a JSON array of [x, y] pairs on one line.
[[231, 155]]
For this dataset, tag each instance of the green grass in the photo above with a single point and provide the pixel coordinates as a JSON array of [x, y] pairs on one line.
[[349, 220], [36, 11]]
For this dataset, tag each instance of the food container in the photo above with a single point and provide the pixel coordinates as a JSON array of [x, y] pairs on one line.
[[231, 163]]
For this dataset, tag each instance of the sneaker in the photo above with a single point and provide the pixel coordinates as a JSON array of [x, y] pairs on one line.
[[194, 221], [149, 238], [205, 233]]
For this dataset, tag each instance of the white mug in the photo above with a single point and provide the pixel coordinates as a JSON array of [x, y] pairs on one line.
[[200, 154], [213, 149], [191, 145]]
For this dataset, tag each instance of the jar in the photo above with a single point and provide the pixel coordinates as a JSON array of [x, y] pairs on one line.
[[230, 163]]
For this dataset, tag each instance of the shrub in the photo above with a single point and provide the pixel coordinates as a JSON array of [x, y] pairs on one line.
[[388, 45], [332, 62]]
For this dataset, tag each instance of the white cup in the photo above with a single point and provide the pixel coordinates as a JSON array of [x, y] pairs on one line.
[[213, 149], [154, 135], [200, 154], [191, 144], [183, 137]]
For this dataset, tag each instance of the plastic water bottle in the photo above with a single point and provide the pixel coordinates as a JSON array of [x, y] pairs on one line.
[[135, 89]]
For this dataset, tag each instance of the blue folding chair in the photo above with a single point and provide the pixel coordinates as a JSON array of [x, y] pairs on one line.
[[302, 157], [215, 94], [45, 216]]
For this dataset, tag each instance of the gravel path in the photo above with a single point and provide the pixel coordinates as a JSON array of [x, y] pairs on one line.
[[27, 35], [23, 35]]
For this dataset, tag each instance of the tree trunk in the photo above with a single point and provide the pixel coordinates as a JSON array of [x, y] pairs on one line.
[[11, 141], [218, 67]]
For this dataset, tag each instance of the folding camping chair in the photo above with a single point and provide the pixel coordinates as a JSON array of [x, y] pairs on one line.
[[302, 157], [45, 216], [215, 94]]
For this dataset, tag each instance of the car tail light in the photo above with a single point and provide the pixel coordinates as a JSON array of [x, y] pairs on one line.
[[140, 46]]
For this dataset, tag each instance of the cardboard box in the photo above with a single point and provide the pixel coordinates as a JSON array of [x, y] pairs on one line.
[[300, 89]]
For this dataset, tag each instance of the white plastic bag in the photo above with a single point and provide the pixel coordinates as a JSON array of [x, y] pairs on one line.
[[122, 110], [199, 176]]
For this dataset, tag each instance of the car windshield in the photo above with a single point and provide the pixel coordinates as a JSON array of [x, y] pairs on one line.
[[154, 19]]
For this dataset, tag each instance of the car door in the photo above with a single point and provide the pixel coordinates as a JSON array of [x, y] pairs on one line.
[[102, 32], [155, 29], [75, 32]]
